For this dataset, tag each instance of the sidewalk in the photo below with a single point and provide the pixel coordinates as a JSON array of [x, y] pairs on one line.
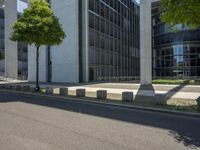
[[173, 92]]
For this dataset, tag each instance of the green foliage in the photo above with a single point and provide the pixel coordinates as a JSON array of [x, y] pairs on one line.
[[198, 102], [162, 81], [1, 56], [186, 12], [38, 26]]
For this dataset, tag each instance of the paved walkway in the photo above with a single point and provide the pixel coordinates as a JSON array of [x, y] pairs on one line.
[[187, 92]]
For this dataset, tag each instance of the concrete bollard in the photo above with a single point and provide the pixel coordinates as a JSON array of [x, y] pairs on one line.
[[161, 99], [25, 88], [127, 96], [101, 94], [2, 86], [17, 87], [8, 87], [32, 89], [80, 92], [12, 87], [63, 91], [49, 90]]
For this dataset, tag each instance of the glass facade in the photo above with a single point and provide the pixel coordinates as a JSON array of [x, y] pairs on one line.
[[113, 40], [176, 54], [22, 53]]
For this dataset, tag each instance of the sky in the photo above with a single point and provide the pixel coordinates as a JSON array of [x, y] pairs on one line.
[[138, 1], [21, 6]]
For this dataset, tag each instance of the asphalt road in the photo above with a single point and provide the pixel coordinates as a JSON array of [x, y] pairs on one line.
[[40, 123]]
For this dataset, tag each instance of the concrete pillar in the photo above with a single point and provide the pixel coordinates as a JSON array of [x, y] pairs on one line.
[[145, 43], [11, 59], [65, 57], [1, 3], [84, 35]]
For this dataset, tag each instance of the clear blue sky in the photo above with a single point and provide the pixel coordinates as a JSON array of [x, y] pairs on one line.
[[21, 6], [137, 1]]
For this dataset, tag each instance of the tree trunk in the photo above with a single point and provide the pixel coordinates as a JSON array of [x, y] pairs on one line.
[[37, 70]]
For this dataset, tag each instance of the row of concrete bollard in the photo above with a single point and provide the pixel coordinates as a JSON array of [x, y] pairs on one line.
[[16, 87], [160, 99]]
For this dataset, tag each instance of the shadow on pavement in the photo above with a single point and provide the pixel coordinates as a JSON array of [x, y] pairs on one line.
[[184, 129], [173, 91]]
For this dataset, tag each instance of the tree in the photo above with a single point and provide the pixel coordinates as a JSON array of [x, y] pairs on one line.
[[1, 55], [38, 26], [186, 12]]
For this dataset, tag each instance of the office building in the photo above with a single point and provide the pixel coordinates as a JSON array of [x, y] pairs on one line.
[[102, 43], [20, 70], [176, 52]]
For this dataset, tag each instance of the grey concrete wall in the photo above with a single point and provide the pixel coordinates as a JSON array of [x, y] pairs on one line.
[[42, 64], [11, 60], [65, 57], [145, 42]]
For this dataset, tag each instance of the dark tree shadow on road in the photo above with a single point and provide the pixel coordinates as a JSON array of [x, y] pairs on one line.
[[185, 130], [186, 140]]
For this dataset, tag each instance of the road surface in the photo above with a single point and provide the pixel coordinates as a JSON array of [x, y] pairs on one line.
[[40, 123]]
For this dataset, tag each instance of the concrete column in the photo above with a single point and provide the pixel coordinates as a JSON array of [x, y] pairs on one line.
[[1, 2], [11, 59], [145, 43], [84, 17], [65, 57]]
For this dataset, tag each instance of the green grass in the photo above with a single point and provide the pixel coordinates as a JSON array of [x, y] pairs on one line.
[[42, 90], [163, 81], [192, 108]]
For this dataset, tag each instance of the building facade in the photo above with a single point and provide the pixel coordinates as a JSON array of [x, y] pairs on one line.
[[105, 42], [102, 43], [113, 40], [176, 54], [21, 70]]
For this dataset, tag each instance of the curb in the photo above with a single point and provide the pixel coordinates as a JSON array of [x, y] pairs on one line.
[[112, 104]]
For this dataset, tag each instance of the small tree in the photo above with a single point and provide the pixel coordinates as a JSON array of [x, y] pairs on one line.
[[38, 26], [186, 12], [1, 55]]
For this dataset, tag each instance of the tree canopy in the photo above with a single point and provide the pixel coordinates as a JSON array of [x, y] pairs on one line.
[[186, 12], [37, 25]]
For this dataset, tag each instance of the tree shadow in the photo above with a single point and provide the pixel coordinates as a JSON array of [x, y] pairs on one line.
[[184, 130], [173, 91], [188, 141]]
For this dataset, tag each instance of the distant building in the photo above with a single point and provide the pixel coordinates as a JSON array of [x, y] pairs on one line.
[[22, 54], [175, 54]]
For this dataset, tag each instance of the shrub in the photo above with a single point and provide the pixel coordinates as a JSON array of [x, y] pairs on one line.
[[198, 102]]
